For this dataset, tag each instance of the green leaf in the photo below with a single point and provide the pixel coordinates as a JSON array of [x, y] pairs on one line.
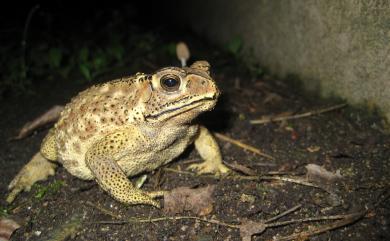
[[234, 46], [3, 211], [41, 191], [85, 71], [99, 62], [83, 55], [255, 70], [55, 57], [117, 51], [52, 188], [171, 49]]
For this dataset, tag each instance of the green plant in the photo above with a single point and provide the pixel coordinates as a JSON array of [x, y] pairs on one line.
[[4, 211], [234, 46], [52, 188]]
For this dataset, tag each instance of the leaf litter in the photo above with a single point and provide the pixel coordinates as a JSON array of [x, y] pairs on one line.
[[196, 200]]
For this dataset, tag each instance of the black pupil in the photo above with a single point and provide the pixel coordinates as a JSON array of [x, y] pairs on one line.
[[170, 82]]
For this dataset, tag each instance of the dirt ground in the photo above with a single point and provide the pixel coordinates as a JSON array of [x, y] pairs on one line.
[[347, 142]]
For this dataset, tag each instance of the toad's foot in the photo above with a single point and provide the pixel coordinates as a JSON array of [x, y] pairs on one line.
[[210, 167], [208, 149], [136, 196], [39, 168]]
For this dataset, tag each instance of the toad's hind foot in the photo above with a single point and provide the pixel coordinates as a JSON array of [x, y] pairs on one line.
[[39, 168]]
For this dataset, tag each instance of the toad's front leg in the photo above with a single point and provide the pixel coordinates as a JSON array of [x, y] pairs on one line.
[[208, 149], [102, 161]]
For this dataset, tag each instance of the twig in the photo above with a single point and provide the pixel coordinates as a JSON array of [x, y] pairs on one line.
[[279, 178], [52, 115], [385, 197], [316, 219], [259, 178], [191, 161], [243, 145], [297, 116], [264, 164], [24, 40], [179, 171], [293, 209], [346, 220], [293, 180], [17, 209], [151, 220], [103, 210]]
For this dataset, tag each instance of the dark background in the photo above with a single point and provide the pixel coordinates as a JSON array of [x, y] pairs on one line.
[[348, 139]]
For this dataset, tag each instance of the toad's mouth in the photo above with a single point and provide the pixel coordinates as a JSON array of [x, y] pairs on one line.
[[181, 109]]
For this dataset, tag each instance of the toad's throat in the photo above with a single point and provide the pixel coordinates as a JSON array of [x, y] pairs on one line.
[[184, 108]]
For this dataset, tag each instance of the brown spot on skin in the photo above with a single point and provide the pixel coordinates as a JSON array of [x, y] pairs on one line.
[[76, 147], [73, 163]]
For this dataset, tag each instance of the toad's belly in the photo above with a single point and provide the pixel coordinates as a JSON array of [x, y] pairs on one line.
[[72, 157], [142, 157], [138, 163], [131, 164]]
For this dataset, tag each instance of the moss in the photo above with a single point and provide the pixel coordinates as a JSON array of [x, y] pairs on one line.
[[51, 188]]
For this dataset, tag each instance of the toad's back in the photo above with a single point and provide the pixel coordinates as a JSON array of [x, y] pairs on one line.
[[93, 114]]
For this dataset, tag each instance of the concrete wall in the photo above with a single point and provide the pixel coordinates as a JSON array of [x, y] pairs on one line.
[[339, 47]]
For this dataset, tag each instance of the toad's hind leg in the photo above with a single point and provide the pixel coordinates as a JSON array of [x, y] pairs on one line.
[[37, 169], [102, 160]]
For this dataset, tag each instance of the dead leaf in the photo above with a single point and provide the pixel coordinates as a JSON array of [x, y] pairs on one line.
[[325, 180], [241, 168], [294, 135], [318, 174], [271, 97], [287, 167], [249, 228], [313, 149], [199, 200], [7, 227], [49, 116]]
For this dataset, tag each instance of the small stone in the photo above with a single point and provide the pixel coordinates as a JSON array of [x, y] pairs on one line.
[[247, 198], [184, 228]]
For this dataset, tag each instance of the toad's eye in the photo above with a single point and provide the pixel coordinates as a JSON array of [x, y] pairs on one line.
[[170, 82]]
